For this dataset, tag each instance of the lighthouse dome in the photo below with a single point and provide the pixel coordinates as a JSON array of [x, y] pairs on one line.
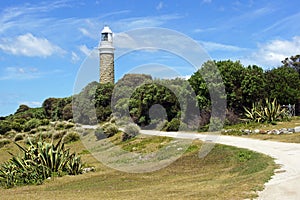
[[106, 29]]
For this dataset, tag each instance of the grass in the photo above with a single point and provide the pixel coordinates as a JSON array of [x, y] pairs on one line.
[[225, 173]]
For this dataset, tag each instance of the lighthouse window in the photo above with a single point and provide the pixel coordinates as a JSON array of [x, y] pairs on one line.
[[104, 36]]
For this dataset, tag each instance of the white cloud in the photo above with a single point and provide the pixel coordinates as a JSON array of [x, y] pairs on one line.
[[160, 5], [29, 45], [272, 53], [20, 73], [32, 104], [201, 30], [142, 22], [84, 49], [212, 46], [74, 57]]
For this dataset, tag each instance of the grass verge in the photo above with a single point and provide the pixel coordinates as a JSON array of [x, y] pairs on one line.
[[225, 173]]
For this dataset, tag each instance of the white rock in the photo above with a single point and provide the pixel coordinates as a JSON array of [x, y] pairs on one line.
[[256, 131], [297, 129]]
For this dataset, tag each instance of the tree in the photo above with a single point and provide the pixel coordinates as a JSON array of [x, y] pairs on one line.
[[253, 85], [22, 108], [283, 83], [293, 62], [233, 74]]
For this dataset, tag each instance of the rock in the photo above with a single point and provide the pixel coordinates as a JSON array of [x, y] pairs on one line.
[[269, 132], [247, 131], [283, 131], [263, 132], [297, 129], [276, 132], [291, 130], [88, 169], [256, 131]]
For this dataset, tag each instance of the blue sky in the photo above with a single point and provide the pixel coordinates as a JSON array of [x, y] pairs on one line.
[[44, 43]]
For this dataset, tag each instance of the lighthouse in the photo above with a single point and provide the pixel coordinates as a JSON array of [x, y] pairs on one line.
[[106, 54]]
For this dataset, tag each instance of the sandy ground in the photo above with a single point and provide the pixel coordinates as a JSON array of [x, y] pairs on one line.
[[285, 184]]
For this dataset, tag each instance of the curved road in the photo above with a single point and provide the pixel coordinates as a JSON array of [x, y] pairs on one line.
[[283, 185]]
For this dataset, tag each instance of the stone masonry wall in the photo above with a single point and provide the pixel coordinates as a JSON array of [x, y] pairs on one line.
[[107, 71]]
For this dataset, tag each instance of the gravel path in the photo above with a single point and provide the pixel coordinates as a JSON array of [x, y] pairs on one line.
[[285, 184]]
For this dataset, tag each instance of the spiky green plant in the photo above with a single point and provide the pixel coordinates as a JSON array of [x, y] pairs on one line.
[[267, 111], [39, 161]]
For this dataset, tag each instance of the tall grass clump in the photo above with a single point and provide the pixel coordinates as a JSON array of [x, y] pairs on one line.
[[130, 131]]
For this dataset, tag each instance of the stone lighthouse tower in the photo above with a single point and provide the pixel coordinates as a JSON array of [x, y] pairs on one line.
[[106, 51]]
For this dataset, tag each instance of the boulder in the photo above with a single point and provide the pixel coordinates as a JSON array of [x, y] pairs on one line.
[[297, 129], [291, 130]]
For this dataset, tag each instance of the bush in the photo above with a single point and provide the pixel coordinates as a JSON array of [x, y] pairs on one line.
[[267, 111], [130, 131], [19, 137], [10, 134], [110, 129], [4, 127], [31, 140], [59, 126], [45, 135], [33, 131], [160, 126], [99, 133], [69, 125], [16, 126], [39, 162], [71, 137], [173, 125], [45, 122], [3, 142], [31, 124], [59, 135]]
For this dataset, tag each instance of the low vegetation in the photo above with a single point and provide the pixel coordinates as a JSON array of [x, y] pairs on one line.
[[226, 173], [38, 162], [267, 111]]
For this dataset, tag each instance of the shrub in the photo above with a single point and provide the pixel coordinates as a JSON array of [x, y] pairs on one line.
[[266, 111], [33, 131], [19, 137], [99, 133], [59, 126], [69, 125], [45, 122], [31, 124], [160, 126], [3, 142], [31, 140], [110, 129], [130, 131], [39, 162], [173, 125], [4, 127], [43, 128], [59, 134], [45, 135], [71, 137], [16, 126]]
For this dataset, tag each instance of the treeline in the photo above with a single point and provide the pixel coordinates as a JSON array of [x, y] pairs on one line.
[[135, 96]]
